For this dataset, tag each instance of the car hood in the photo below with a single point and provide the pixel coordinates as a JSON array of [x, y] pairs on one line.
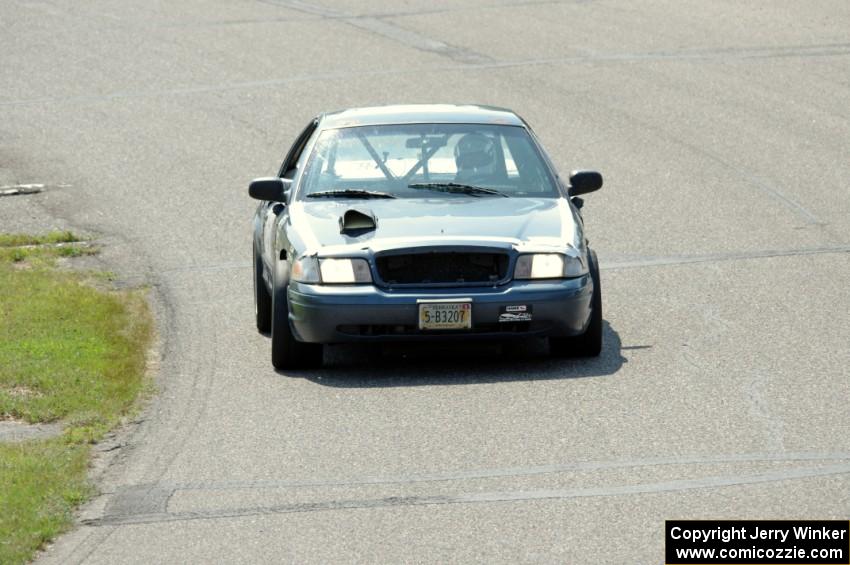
[[546, 223]]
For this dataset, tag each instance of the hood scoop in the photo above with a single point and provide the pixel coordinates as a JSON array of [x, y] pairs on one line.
[[356, 222]]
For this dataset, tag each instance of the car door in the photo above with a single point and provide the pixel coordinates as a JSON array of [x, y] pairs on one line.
[[273, 212]]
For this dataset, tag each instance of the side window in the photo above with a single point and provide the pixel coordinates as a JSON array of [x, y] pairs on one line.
[[530, 172], [293, 159]]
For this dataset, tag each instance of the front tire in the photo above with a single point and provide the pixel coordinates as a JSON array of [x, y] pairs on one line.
[[262, 298], [288, 352], [588, 344]]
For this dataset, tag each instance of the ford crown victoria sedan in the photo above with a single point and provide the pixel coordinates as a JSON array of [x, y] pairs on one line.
[[422, 222]]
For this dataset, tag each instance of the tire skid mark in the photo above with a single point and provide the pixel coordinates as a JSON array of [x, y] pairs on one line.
[[838, 50], [376, 24], [203, 373], [515, 471], [675, 260], [676, 485], [760, 183], [187, 375], [755, 180], [753, 385], [82, 551], [323, 12], [453, 9], [417, 41]]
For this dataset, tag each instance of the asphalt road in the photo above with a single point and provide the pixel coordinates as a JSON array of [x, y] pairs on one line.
[[723, 231]]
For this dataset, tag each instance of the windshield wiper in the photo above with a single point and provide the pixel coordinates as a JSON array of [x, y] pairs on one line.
[[456, 188], [350, 193]]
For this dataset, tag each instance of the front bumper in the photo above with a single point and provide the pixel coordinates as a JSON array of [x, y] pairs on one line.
[[364, 313]]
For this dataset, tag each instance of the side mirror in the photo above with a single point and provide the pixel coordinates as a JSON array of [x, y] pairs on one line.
[[273, 189], [582, 182]]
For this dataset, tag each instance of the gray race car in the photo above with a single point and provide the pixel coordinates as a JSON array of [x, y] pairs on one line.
[[419, 223]]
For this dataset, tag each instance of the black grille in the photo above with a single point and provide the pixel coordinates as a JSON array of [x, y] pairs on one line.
[[442, 268]]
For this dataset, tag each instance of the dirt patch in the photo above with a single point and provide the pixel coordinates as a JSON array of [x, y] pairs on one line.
[[12, 431], [21, 392]]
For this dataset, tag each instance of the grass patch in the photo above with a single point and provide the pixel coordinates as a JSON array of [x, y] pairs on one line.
[[40, 484], [68, 352], [42, 249], [21, 239]]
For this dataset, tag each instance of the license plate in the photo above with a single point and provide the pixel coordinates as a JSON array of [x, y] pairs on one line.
[[445, 316]]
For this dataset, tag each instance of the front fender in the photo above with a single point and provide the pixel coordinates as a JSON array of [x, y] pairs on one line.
[[280, 276], [257, 222]]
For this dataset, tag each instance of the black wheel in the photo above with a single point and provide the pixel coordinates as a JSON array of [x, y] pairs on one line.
[[588, 344], [288, 352], [262, 298]]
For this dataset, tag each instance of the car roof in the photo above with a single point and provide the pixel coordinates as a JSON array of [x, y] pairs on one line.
[[420, 114]]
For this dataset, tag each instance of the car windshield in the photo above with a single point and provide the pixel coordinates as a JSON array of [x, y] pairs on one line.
[[424, 161]]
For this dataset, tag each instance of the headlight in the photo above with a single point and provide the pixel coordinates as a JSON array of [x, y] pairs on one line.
[[549, 266], [306, 270], [341, 271]]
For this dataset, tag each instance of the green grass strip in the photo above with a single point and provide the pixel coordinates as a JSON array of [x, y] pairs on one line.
[[69, 352], [40, 484], [19, 239]]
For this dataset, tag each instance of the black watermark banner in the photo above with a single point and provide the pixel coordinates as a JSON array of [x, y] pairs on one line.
[[757, 542]]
